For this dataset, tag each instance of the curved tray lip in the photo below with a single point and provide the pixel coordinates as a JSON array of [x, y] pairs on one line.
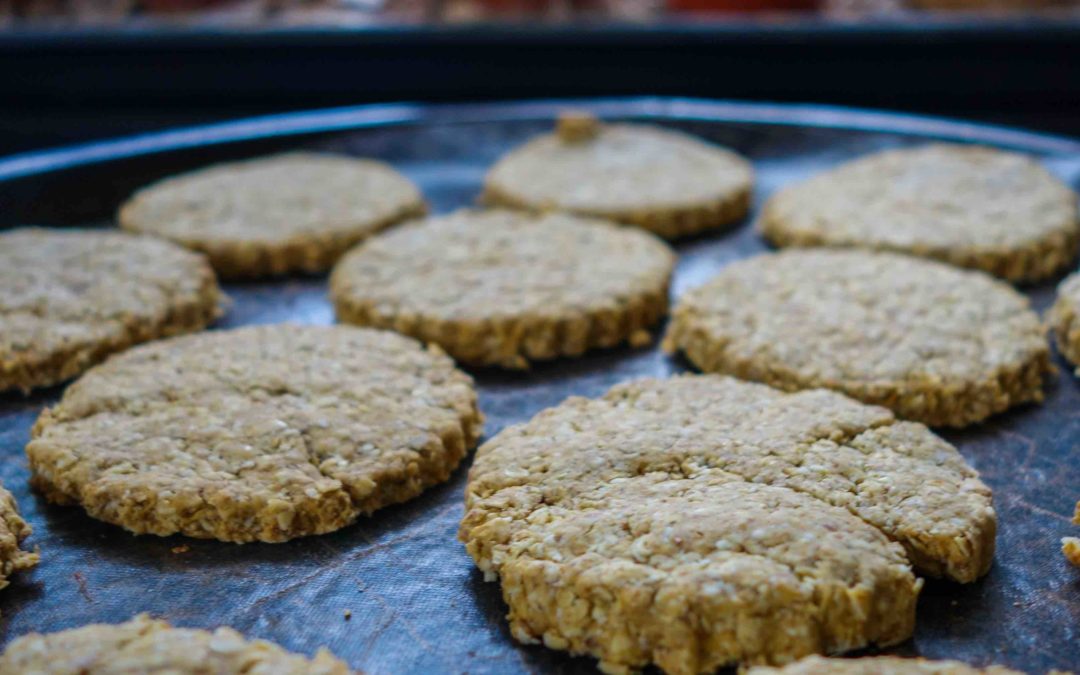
[[656, 108]]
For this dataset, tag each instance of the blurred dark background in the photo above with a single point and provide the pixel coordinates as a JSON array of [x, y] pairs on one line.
[[75, 70]]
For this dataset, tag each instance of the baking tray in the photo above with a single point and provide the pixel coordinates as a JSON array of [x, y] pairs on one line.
[[417, 603]]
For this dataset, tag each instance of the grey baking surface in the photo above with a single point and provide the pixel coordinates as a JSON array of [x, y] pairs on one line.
[[417, 603]]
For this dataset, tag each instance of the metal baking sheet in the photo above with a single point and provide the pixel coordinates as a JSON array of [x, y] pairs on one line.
[[417, 603]]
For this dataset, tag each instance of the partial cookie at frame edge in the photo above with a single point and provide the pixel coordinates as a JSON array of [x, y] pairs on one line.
[[144, 642], [1070, 546], [70, 297], [274, 215], [626, 159], [863, 203], [13, 531], [262, 433], [935, 343], [506, 288], [1064, 319], [879, 665]]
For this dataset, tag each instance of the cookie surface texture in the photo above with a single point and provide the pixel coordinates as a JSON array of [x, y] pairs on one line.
[[507, 287], [975, 207], [69, 298], [1065, 319], [295, 212], [256, 434], [702, 521], [13, 530], [663, 180], [880, 665], [145, 645], [934, 343]]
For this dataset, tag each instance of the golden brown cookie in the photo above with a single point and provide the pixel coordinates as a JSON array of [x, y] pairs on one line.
[[13, 530], [934, 343], [145, 645], [507, 287], [987, 209], [256, 434], [660, 179], [295, 212], [69, 298], [1065, 319], [879, 665], [702, 521]]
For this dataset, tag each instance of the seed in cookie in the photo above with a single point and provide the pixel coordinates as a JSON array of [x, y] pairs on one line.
[[660, 179], [69, 298], [505, 287], [702, 521], [144, 645], [255, 434], [295, 212], [934, 343], [986, 209], [1065, 319], [878, 665], [13, 530]]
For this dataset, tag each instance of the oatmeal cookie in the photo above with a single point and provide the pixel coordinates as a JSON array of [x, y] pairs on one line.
[[145, 645], [934, 343], [13, 530], [660, 179], [295, 212], [506, 287], [1065, 319], [69, 298], [256, 434], [702, 521], [879, 665], [975, 207]]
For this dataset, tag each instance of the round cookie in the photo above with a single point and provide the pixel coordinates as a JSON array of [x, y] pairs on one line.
[[1065, 319], [878, 665], [986, 209], [255, 434], [702, 521], [663, 180], [145, 645], [69, 298], [13, 530], [932, 342], [295, 212], [508, 287]]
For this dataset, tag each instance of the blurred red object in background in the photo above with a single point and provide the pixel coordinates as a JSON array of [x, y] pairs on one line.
[[741, 5], [179, 5]]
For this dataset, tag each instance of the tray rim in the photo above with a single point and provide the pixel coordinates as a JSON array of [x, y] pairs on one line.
[[327, 120]]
